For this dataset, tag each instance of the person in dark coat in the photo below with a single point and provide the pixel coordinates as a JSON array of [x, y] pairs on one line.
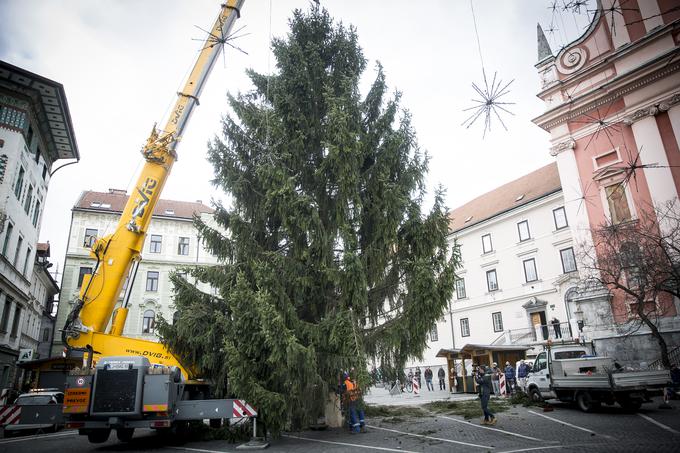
[[509, 378], [556, 326], [483, 380], [428, 379], [441, 374]]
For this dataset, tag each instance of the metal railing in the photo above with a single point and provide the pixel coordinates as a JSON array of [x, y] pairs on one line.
[[673, 356], [537, 334]]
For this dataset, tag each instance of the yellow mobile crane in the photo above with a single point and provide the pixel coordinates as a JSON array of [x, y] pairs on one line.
[[138, 383], [118, 254]]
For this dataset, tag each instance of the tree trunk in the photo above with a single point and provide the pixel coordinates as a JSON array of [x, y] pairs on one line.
[[665, 360]]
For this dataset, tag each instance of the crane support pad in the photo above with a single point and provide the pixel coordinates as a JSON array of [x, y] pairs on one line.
[[202, 409], [45, 414]]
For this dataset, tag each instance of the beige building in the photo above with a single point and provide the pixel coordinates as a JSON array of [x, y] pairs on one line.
[[171, 242]]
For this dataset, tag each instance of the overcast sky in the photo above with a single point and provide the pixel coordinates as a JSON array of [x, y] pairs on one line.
[[122, 61]]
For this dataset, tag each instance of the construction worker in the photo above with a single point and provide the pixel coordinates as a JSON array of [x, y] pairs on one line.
[[356, 412]]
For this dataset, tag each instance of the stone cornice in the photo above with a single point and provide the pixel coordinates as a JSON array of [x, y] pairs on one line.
[[557, 116], [652, 110]]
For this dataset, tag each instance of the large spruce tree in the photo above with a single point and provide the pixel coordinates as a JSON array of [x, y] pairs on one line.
[[326, 259]]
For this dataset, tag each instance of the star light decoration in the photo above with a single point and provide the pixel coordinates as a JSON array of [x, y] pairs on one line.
[[221, 39], [488, 103]]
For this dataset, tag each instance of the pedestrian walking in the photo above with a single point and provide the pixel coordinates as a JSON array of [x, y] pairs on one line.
[[483, 381], [428, 379], [418, 374], [441, 374], [495, 379], [522, 373], [556, 327], [509, 377]]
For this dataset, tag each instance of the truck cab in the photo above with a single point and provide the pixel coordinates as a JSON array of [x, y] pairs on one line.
[[538, 381]]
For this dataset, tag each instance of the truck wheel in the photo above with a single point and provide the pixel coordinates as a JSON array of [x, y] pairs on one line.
[[535, 395], [98, 436], [125, 434], [585, 402]]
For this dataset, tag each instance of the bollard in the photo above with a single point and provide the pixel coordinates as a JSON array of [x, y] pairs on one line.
[[502, 385]]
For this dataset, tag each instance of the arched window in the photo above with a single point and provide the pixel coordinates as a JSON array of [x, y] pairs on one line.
[[149, 321]]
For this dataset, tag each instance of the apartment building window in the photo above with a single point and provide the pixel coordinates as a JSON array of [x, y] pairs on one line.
[[464, 327], [17, 251], [29, 200], [523, 230], [90, 237], [46, 335], [183, 246], [15, 323], [560, 217], [487, 246], [26, 261], [619, 208], [530, 274], [36, 212], [434, 335], [19, 185], [149, 321], [460, 288], [155, 243], [568, 260], [5, 314], [82, 272], [8, 237], [491, 280], [497, 319], [152, 281]]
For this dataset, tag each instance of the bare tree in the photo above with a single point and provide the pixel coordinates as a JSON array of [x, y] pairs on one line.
[[639, 262]]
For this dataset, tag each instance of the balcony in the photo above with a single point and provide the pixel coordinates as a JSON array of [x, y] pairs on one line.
[[563, 331]]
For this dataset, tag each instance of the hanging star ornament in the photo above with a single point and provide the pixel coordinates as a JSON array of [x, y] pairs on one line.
[[489, 103]]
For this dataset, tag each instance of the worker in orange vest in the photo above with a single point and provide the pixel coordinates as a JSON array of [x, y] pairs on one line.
[[356, 412]]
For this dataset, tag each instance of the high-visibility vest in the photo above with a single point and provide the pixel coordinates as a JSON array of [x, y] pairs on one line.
[[352, 390]]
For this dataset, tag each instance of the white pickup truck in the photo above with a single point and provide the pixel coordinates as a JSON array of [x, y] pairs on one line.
[[572, 373]]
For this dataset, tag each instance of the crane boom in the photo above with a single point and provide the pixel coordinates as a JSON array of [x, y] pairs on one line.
[[118, 252]]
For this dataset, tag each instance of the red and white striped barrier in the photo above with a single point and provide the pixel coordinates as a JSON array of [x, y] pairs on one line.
[[504, 390], [10, 415], [243, 409], [416, 386]]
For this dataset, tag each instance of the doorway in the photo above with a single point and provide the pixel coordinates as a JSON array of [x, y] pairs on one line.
[[538, 319]]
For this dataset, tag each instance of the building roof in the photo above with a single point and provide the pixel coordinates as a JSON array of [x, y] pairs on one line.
[[528, 188], [114, 201], [48, 99]]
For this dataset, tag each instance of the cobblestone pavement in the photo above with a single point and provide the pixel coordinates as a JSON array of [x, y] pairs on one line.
[[565, 429]]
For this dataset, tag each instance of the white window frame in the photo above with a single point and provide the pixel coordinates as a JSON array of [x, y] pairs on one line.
[[488, 282], [459, 282], [181, 245], [573, 255], [566, 221], [519, 231], [484, 250], [89, 238], [434, 334], [149, 322], [526, 275], [152, 248], [464, 327], [149, 279], [497, 321]]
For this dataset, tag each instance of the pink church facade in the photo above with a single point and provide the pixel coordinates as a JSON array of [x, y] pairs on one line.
[[612, 101]]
